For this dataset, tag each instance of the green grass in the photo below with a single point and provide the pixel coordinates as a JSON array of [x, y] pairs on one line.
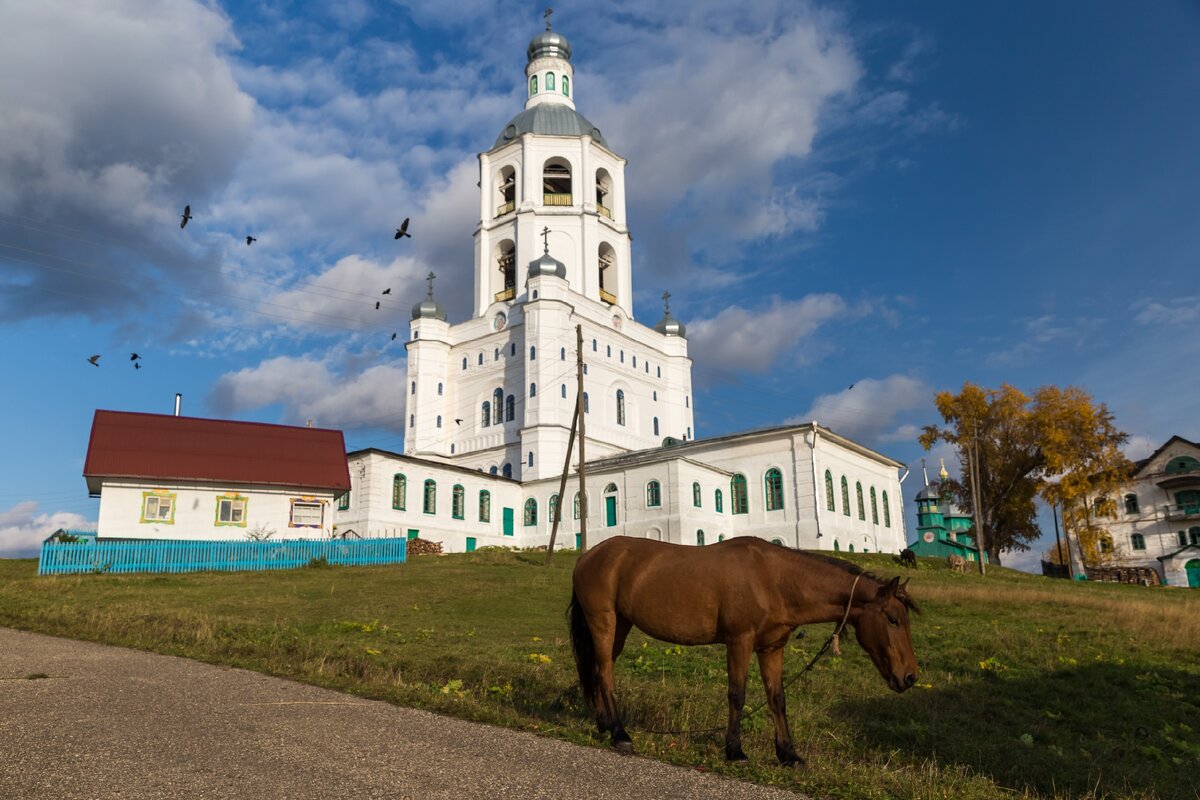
[[1029, 686]]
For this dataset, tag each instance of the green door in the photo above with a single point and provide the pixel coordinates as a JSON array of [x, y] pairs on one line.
[[470, 544], [508, 522], [579, 541], [1193, 573], [413, 533], [610, 510]]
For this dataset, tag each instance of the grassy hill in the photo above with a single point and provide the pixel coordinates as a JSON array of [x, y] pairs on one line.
[[1029, 686]]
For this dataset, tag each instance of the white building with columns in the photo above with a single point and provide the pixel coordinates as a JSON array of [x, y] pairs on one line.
[[490, 399]]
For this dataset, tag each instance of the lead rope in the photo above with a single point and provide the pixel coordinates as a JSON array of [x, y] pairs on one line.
[[832, 640]]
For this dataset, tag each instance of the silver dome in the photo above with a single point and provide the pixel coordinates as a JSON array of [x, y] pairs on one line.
[[429, 309], [551, 44], [670, 326], [553, 119], [547, 264]]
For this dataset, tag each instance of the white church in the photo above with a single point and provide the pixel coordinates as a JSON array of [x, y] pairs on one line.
[[490, 399]]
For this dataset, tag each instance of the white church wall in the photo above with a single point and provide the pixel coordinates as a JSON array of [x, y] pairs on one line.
[[858, 468]]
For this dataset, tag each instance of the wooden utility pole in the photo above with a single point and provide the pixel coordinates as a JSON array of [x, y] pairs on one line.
[[978, 515], [562, 486], [1062, 562], [581, 413]]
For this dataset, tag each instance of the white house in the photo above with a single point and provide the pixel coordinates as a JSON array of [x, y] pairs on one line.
[[167, 477]]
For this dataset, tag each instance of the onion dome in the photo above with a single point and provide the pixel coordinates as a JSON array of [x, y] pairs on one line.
[[429, 308], [928, 493], [546, 264], [668, 325], [549, 44], [552, 119]]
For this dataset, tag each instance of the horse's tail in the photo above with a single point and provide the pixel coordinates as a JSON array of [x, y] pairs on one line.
[[584, 649]]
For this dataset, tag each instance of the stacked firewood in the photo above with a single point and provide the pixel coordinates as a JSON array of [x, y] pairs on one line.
[[424, 547]]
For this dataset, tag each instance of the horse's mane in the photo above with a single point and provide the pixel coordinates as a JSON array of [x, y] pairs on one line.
[[854, 569]]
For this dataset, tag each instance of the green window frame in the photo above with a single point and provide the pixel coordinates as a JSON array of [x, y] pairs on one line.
[[845, 497], [549, 81], [1138, 541], [458, 502], [233, 507], [719, 501], [696, 495], [739, 502], [485, 506], [773, 488], [862, 511], [344, 501], [830, 503], [429, 504], [566, 86], [399, 492], [700, 538], [653, 494], [158, 507], [531, 512], [577, 505], [887, 512], [552, 507], [533, 85], [874, 508]]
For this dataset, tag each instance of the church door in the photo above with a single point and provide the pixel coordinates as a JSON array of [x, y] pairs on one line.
[[470, 544], [1193, 573], [508, 522], [610, 511]]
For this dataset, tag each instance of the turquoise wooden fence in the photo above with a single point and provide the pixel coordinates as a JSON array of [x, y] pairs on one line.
[[218, 556]]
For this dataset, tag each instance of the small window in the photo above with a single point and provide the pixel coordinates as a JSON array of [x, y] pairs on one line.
[[836, 546], [464, 364], [549, 81], [696, 495], [1138, 541], [700, 538], [720, 537], [532, 353], [737, 493], [533, 390], [458, 502], [586, 410], [494, 470], [496, 354], [306, 514], [507, 471], [774, 489], [529, 460], [830, 504], [566, 86], [622, 356], [413, 390], [1131, 504], [577, 505], [481, 359], [845, 497], [653, 494], [719, 502], [656, 426], [485, 414], [887, 512], [512, 348], [451, 449], [620, 407], [562, 354], [553, 508], [594, 345], [659, 371], [1193, 535], [687, 401], [850, 548], [412, 421], [510, 406], [533, 85], [608, 347], [1182, 539], [485, 503], [655, 395], [531, 512], [344, 502], [777, 541], [231, 510], [439, 390], [862, 512], [430, 503], [399, 492], [497, 406], [874, 508], [635, 362], [563, 391], [439, 420]]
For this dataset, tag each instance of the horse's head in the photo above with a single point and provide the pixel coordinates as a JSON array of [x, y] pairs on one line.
[[882, 629]]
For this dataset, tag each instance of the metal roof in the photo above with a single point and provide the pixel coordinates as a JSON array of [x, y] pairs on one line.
[[160, 447], [553, 119]]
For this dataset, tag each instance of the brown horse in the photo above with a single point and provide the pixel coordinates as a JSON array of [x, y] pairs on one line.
[[908, 558], [744, 593]]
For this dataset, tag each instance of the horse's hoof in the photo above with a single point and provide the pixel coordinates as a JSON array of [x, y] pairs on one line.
[[625, 747], [736, 757], [791, 761]]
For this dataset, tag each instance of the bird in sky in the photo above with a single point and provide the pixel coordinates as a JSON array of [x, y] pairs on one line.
[[187, 214], [458, 422], [250, 240], [136, 365], [387, 290], [393, 337], [850, 387], [376, 305], [94, 361], [402, 231], [134, 356]]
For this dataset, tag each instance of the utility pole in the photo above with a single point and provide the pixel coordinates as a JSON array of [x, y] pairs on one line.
[[1058, 542], [975, 492], [562, 486], [581, 414]]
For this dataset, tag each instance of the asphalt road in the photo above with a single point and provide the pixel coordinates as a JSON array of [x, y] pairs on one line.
[[115, 723]]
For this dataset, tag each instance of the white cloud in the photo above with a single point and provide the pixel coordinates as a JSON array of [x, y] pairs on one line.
[[1139, 447], [870, 409], [746, 340], [345, 295], [1175, 311], [22, 528]]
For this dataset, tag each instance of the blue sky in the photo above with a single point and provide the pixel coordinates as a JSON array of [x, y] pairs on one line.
[[896, 197]]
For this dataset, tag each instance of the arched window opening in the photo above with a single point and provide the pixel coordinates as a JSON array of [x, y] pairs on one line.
[[412, 420], [622, 354], [531, 512], [529, 460], [604, 192], [485, 503], [719, 501], [512, 348], [496, 354], [429, 505], [506, 471], [494, 470], [1131, 504], [439, 390], [874, 508], [533, 390], [506, 187], [696, 494], [595, 344], [510, 408], [458, 502], [506, 262], [1138, 541], [553, 509], [653, 494], [862, 512], [586, 409], [486, 415], [577, 505], [566, 85], [845, 497], [887, 512], [836, 546], [549, 81], [830, 504], [738, 499], [563, 391], [774, 489], [481, 359], [720, 537], [498, 406], [620, 406], [606, 262], [556, 183], [464, 367], [532, 353], [399, 491], [562, 354], [777, 541], [439, 420], [656, 426], [414, 388], [700, 538], [533, 85], [850, 548], [1193, 535]]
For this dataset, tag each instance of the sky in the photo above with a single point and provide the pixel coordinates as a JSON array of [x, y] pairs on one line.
[[893, 198]]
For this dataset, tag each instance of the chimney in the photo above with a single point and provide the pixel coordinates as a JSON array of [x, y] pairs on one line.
[[178, 400]]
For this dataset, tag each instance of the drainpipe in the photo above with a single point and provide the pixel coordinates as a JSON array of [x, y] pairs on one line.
[[178, 402], [816, 498]]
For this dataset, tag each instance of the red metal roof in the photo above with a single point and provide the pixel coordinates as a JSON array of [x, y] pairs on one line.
[[163, 447]]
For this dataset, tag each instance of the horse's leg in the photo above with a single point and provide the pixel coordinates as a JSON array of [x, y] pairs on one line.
[[621, 740], [737, 658], [770, 663], [605, 627]]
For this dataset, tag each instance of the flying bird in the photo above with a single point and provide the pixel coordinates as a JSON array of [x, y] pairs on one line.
[[851, 386], [402, 231], [458, 422], [393, 337], [187, 214], [134, 356], [94, 361], [376, 305], [137, 365], [250, 240], [387, 290]]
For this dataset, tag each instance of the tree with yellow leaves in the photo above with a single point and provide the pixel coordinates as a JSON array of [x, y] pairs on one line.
[[1057, 444]]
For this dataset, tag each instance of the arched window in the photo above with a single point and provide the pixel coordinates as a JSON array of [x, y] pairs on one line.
[[874, 508], [556, 183], [830, 504], [695, 494], [399, 491], [656, 426], [862, 512], [506, 471], [620, 407], [458, 502], [562, 354], [845, 497], [577, 505], [549, 81], [531, 512], [608, 280], [850, 548], [586, 409], [1181, 538], [512, 348], [653, 494], [622, 354], [498, 406], [530, 458], [563, 391], [608, 350], [836, 546], [777, 541], [430, 504], [439, 420], [506, 186], [496, 354], [532, 353], [774, 489], [595, 344], [1138, 541], [604, 184], [1131, 504], [464, 367], [485, 503], [439, 390], [700, 538], [719, 502], [533, 85], [566, 85], [494, 470], [533, 390], [414, 388], [658, 370], [485, 414], [411, 420], [739, 502], [510, 406], [655, 395], [506, 262], [481, 359], [887, 512], [553, 510]]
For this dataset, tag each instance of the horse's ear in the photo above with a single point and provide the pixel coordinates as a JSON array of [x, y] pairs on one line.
[[891, 588]]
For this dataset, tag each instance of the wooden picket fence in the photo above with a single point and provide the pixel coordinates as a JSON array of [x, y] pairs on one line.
[[217, 556]]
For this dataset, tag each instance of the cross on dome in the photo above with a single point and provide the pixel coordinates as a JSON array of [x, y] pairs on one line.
[[546, 240], [549, 11], [666, 298], [429, 279]]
